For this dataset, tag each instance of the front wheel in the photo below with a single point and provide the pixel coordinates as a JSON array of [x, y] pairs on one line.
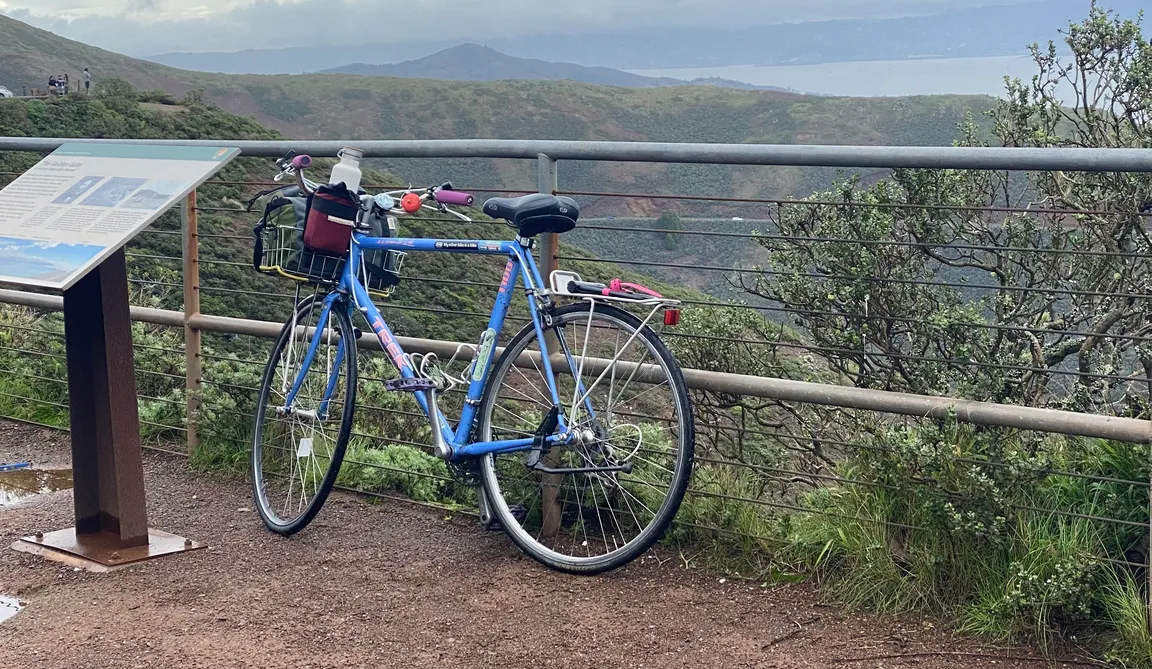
[[622, 392], [298, 445]]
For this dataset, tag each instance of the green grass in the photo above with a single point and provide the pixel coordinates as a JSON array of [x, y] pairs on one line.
[[216, 455], [866, 562], [1047, 579], [1126, 608]]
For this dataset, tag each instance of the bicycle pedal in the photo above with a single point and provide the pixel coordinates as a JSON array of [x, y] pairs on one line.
[[519, 512], [410, 385]]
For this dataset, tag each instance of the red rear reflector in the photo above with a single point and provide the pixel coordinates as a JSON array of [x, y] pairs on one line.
[[671, 317]]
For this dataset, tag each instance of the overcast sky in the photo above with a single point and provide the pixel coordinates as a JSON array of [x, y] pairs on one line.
[[148, 27]]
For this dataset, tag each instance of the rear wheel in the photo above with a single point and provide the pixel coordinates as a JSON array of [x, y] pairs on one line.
[[297, 449], [633, 413]]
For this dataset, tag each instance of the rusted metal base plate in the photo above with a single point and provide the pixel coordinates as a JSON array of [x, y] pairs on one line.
[[104, 549]]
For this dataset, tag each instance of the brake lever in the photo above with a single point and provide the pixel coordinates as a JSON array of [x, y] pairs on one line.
[[286, 161]]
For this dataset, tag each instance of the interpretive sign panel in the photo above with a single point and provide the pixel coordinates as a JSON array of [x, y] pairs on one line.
[[84, 201]]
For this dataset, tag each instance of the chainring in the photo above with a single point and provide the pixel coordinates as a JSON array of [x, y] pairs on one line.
[[465, 472]]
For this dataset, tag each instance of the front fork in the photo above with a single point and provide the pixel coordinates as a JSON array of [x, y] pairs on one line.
[[324, 330]]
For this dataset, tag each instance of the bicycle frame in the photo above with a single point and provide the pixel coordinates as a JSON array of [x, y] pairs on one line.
[[521, 266]]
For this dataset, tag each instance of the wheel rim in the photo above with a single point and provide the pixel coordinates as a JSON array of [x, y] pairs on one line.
[[295, 447], [634, 418]]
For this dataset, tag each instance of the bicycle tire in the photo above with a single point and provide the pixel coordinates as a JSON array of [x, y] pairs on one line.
[[347, 342], [676, 489]]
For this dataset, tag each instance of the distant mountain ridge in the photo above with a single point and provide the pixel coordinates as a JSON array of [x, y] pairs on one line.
[[999, 30], [473, 62]]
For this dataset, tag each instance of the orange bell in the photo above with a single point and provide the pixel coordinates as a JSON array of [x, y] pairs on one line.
[[410, 203]]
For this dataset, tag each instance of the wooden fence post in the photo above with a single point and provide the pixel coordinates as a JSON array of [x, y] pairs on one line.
[[548, 182], [192, 359]]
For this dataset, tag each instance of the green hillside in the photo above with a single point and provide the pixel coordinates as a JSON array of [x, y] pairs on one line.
[[350, 106], [231, 287]]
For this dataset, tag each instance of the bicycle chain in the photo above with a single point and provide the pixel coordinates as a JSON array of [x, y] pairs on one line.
[[465, 472]]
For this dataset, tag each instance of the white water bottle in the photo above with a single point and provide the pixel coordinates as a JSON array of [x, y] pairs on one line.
[[348, 169]]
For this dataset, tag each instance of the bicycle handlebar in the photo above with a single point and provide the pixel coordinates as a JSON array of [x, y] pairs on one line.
[[442, 195], [453, 197]]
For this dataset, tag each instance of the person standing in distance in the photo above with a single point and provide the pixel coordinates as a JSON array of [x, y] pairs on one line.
[[87, 81]]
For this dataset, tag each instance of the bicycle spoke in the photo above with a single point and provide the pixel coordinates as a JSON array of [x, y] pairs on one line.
[[639, 501], [547, 403], [612, 380], [632, 512], [599, 519], [574, 409], [580, 520], [543, 377], [654, 464], [517, 417], [633, 399], [563, 505]]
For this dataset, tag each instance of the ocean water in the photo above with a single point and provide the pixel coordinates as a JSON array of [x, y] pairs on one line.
[[926, 76]]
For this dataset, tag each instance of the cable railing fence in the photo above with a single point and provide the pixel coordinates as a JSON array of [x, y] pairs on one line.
[[944, 369]]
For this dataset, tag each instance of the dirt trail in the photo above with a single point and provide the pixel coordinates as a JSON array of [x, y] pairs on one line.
[[393, 585]]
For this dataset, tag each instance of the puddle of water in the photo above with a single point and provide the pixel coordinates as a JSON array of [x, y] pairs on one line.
[[9, 607], [19, 484]]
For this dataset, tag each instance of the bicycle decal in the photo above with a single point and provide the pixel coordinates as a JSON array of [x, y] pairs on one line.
[[484, 356], [390, 345]]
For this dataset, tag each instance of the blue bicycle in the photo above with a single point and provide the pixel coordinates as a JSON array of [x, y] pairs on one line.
[[579, 431]]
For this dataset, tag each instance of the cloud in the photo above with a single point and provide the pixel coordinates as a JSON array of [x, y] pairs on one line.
[[146, 27], [22, 247]]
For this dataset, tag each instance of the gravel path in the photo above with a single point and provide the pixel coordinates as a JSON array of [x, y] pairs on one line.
[[394, 585]]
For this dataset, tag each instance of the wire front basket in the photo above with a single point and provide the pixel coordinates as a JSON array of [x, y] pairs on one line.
[[283, 254]]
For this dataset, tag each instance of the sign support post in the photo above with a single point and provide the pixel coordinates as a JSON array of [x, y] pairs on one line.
[[108, 472]]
